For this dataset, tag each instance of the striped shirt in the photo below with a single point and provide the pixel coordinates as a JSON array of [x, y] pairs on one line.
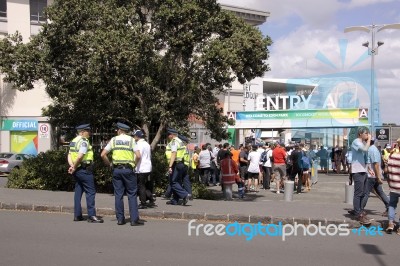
[[394, 172]]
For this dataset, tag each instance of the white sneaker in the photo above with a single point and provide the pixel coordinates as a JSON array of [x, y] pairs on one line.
[[278, 192]]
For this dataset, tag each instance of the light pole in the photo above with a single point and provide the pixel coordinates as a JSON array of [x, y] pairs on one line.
[[372, 51]]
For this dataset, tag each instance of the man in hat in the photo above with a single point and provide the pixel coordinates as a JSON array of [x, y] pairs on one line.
[[124, 178], [187, 185], [80, 160], [175, 152], [143, 169]]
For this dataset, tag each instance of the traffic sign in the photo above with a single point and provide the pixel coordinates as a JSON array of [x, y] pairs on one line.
[[44, 131]]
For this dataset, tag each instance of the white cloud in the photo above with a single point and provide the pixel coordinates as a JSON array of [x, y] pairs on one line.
[[293, 54]]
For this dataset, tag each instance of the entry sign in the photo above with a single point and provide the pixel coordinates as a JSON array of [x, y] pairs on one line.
[[382, 134], [44, 131]]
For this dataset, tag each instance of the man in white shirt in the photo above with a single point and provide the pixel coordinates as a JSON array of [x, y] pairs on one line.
[[254, 169], [143, 169], [266, 166]]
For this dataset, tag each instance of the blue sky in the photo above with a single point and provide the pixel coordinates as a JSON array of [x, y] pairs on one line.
[[301, 29]]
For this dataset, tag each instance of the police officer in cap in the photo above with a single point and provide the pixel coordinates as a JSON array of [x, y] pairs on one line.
[[174, 153], [187, 185], [124, 178], [80, 160]]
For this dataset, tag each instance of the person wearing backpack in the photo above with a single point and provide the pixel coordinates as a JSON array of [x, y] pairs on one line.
[[297, 168], [306, 167], [266, 166]]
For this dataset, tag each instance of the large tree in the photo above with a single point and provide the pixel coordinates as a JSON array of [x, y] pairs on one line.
[[152, 62]]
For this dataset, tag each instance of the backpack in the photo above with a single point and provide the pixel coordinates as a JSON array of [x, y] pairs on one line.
[[305, 161], [289, 160], [264, 157]]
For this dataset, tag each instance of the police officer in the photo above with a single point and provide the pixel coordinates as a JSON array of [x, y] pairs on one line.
[[124, 178], [175, 152], [187, 185], [80, 160]]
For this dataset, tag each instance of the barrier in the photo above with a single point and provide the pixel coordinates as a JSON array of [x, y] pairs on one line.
[[289, 188], [349, 193]]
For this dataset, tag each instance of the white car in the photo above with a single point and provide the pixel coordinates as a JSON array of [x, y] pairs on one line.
[[9, 161]]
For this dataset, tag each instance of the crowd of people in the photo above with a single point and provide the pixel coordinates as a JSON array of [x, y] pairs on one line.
[[254, 167], [251, 167]]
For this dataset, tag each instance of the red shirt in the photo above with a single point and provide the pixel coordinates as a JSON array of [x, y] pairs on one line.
[[279, 155], [229, 170]]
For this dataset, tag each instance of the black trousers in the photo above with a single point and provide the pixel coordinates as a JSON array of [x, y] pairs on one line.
[[145, 187], [299, 173], [267, 171]]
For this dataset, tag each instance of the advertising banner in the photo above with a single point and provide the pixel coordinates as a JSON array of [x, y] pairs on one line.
[[19, 125], [24, 142]]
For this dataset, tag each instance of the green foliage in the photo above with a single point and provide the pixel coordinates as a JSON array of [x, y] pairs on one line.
[[158, 174], [47, 171], [200, 191], [104, 60]]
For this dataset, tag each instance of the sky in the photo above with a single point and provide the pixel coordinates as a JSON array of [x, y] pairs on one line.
[[302, 29]]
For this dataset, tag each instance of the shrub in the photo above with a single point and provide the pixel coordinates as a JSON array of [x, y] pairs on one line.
[[48, 171], [158, 174]]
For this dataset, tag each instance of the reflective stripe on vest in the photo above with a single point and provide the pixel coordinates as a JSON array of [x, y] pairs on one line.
[[180, 153], [186, 157], [230, 170], [122, 150], [74, 147]]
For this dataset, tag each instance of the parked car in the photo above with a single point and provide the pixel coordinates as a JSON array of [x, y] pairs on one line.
[[9, 161]]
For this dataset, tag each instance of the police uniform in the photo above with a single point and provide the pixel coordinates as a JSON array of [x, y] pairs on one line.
[[178, 169], [83, 174], [124, 178], [187, 185]]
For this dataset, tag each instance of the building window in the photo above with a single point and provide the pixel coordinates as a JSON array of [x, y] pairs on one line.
[[37, 8], [3, 8]]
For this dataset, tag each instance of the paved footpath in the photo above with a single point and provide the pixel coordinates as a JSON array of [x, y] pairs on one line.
[[325, 203]]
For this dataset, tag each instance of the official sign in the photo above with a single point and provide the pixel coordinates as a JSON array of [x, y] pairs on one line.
[[19, 125], [382, 134], [193, 135]]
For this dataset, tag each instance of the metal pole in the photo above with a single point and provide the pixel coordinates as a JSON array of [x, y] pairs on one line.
[[373, 50], [229, 100], [372, 80]]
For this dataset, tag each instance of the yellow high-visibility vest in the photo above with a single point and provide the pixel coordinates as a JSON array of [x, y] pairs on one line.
[[122, 150], [74, 147]]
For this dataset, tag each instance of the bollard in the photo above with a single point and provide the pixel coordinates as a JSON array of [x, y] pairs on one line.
[[349, 193], [289, 188], [228, 191]]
